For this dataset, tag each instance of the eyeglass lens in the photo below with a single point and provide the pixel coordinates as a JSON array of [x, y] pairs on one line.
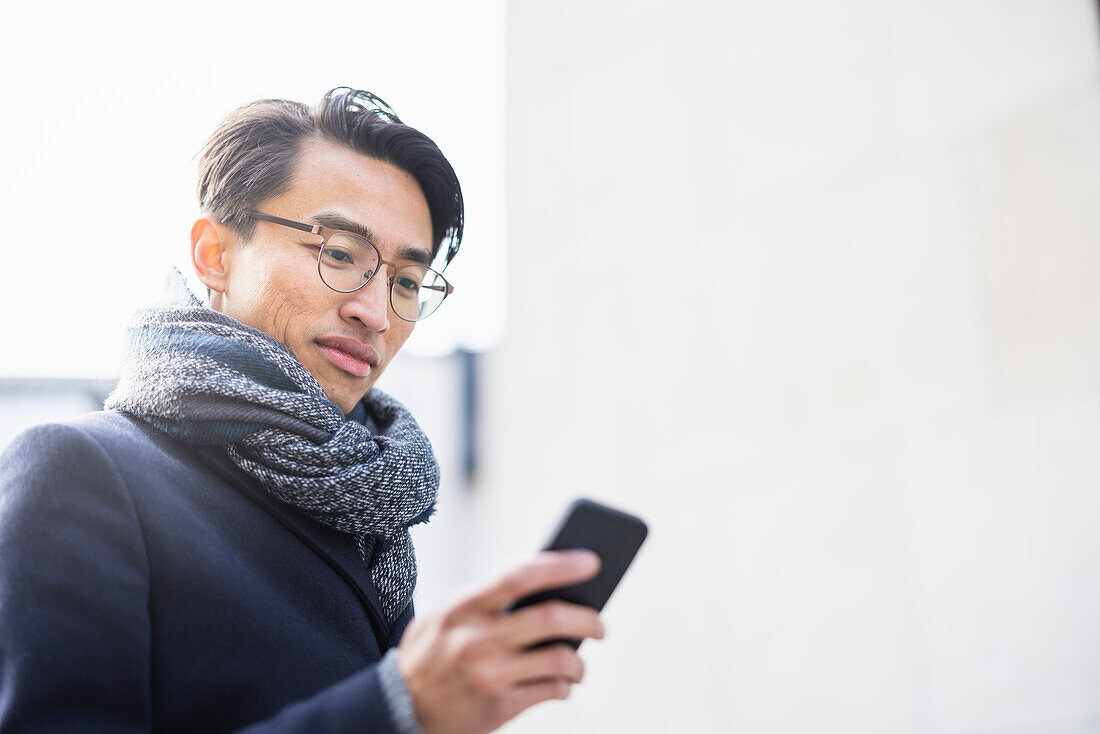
[[346, 262]]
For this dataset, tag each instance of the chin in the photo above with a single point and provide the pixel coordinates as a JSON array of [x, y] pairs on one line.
[[347, 398]]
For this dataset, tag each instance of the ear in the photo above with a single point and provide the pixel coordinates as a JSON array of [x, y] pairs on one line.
[[211, 242]]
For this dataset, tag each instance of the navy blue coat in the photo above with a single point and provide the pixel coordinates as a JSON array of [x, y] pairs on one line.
[[149, 586]]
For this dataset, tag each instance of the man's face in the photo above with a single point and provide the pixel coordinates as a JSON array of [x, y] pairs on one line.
[[344, 339]]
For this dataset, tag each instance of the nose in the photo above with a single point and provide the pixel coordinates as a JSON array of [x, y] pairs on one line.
[[370, 305]]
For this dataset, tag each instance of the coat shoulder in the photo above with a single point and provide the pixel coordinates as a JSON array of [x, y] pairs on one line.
[[99, 460], [67, 444]]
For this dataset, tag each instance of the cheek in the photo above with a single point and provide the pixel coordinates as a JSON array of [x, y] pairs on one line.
[[286, 314], [272, 304], [398, 332]]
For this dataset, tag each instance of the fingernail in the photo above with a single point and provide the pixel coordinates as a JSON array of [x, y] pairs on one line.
[[585, 560]]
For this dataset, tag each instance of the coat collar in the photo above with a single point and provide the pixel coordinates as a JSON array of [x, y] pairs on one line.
[[339, 550]]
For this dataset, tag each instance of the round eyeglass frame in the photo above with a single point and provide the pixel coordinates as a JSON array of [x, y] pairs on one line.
[[325, 232]]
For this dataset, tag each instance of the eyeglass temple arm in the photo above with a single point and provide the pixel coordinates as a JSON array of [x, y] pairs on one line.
[[311, 228], [316, 229]]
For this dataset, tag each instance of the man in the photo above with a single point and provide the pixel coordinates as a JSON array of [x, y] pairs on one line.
[[226, 547]]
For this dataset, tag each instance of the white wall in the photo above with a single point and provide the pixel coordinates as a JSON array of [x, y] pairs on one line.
[[811, 287]]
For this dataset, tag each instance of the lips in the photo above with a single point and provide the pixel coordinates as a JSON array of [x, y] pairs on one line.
[[350, 355]]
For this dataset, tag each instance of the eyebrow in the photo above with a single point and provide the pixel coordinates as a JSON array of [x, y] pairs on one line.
[[338, 221]]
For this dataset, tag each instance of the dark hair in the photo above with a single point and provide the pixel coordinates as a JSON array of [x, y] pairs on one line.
[[250, 157]]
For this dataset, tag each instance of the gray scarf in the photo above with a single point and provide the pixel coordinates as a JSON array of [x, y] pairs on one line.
[[207, 379]]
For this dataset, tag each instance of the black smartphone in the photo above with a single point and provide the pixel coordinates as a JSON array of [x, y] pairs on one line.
[[613, 534]]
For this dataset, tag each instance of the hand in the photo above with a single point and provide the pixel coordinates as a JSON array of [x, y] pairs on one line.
[[466, 665]]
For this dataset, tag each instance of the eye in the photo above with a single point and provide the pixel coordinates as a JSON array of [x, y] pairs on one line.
[[409, 284], [337, 256]]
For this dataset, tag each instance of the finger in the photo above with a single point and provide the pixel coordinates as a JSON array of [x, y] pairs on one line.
[[548, 620], [553, 662], [548, 570], [524, 696]]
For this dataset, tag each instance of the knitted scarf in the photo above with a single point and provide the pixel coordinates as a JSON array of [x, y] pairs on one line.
[[209, 380]]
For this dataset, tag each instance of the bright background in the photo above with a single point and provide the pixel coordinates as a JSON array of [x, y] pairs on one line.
[[811, 287], [108, 105]]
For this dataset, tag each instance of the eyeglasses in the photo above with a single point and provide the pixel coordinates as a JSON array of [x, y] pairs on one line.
[[347, 262]]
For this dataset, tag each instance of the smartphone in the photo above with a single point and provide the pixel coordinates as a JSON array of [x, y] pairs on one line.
[[613, 534]]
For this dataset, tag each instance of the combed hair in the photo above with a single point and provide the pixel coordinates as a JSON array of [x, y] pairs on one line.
[[250, 157]]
